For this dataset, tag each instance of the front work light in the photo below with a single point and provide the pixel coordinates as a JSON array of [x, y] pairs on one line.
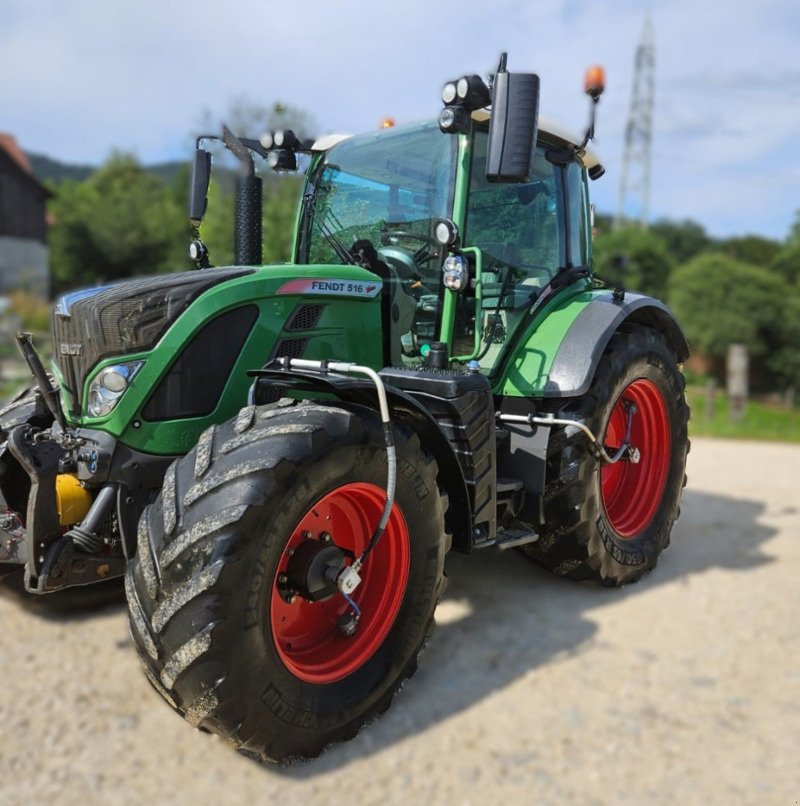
[[455, 272], [449, 92], [473, 93], [454, 120], [445, 232], [108, 387], [461, 97], [285, 138], [281, 159]]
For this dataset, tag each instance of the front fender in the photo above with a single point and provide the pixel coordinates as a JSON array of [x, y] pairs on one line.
[[559, 355]]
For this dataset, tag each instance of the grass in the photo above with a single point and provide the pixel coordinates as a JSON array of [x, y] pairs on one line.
[[762, 421]]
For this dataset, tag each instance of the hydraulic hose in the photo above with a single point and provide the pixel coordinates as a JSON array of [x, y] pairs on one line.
[[549, 419], [388, 437]]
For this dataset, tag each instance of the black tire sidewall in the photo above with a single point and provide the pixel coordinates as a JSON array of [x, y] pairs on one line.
[[659, 368], [285, 706]]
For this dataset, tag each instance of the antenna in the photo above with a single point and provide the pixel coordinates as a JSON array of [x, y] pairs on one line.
[[635, 179]]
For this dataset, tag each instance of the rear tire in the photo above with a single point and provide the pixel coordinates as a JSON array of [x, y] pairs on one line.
[[610, 523], [215, 637]]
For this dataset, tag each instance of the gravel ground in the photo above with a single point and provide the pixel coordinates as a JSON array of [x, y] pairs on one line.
[[682, 688]]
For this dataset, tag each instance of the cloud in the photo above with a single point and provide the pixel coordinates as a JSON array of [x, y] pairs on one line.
[[89, 77]]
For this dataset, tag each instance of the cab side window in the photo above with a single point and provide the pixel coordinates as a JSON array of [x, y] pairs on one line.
[[515, 225], [578, 215]]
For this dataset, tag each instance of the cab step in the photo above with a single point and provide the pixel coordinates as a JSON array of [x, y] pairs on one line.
[[511, 538], [508, 539], [508, 486]]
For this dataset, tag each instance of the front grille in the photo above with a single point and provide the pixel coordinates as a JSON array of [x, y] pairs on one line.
[[124, 318]]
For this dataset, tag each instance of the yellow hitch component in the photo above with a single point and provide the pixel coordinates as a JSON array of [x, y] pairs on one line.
[[72, 500]]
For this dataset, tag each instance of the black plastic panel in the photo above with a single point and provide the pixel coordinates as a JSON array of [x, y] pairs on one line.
[[463, 406], [304, 317], [289, 348], [195, 381]]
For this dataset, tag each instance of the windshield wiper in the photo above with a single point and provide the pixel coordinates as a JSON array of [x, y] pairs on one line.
[[311, 218], [330, 236]]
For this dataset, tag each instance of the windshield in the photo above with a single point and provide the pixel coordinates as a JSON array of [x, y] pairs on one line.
[[374, 200], [387, 187]]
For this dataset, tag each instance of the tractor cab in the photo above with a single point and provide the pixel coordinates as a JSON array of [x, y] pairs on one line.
[[413, 202]]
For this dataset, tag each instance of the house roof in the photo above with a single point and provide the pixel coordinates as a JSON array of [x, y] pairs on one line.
[[9, 144]]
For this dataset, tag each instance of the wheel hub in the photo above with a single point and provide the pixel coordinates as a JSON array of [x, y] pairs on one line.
[[312, 571], [319, 634]]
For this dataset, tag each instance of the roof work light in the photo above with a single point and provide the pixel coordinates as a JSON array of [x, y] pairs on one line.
[[460, 97]]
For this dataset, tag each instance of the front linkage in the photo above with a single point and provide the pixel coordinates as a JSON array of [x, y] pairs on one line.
[[61, 463]]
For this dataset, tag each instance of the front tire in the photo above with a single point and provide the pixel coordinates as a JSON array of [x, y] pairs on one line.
[[610, 523], [217, 634]]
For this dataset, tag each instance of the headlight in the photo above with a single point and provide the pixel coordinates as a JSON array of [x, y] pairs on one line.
[[473, 92], [106, 390], [455, 273]]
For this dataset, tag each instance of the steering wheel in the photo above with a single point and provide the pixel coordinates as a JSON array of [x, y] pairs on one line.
[[392, 237], [400, 260]]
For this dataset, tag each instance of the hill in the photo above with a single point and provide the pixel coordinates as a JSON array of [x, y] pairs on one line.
[[46, 168]]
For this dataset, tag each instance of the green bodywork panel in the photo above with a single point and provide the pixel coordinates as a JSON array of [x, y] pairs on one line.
[[347, 329], [525, 372]]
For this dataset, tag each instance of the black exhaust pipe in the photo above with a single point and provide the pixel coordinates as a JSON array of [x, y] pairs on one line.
[[247, 234]]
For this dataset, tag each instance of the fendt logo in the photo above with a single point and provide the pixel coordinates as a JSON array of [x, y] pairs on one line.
[[71, 349], [335, 286]]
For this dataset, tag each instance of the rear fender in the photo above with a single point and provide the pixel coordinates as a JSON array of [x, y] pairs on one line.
[[562, 363]]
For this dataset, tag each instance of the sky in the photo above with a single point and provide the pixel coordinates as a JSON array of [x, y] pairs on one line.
[[85, 77]]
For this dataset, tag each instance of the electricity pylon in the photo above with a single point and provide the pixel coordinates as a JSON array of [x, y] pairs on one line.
[[635, 178]]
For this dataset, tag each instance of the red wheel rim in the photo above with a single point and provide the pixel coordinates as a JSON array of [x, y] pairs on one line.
[[632, 492], [305, 633]]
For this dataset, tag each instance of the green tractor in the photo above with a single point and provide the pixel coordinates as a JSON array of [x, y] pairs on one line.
[[279, 458]]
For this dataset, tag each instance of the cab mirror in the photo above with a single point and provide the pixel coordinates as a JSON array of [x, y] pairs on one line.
[[198, 189], [513, 126]]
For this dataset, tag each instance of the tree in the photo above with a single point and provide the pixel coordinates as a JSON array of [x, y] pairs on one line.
[[786, 264], [281, 195], [682, 239], [719, 301], [281, 199], [784, 361], [751, 249], [633, 258], [247, 118], [281, 192], [793, 239], [120, 222]]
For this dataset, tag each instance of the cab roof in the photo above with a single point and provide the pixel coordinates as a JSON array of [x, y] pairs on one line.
[[546, 127]]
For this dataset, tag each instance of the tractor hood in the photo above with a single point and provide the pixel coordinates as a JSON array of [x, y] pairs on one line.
[[184, 342], [123, 318]]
